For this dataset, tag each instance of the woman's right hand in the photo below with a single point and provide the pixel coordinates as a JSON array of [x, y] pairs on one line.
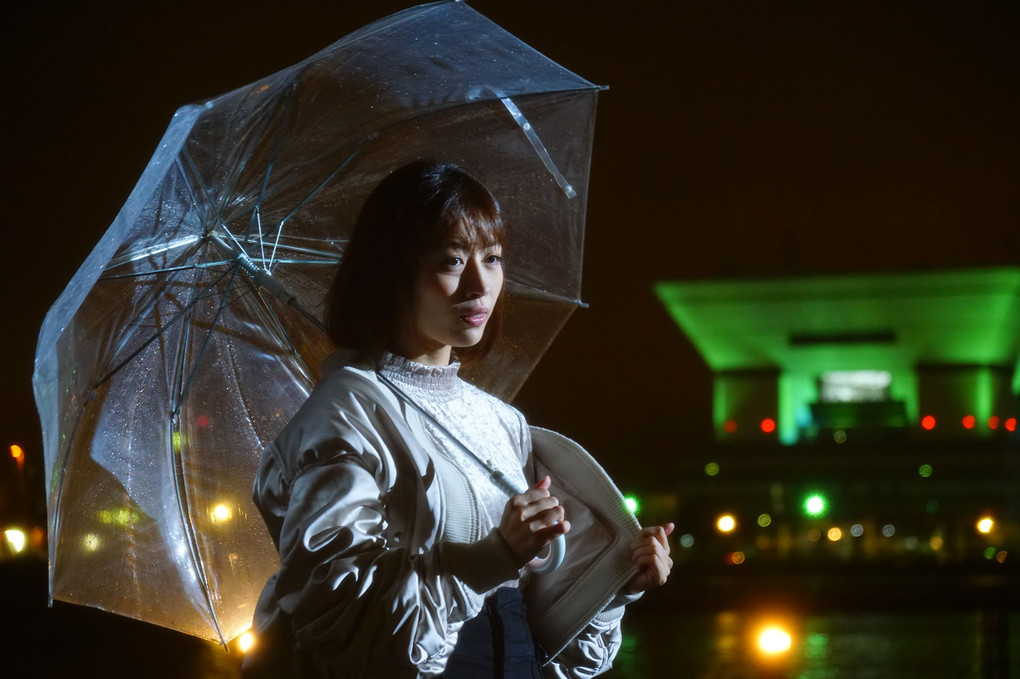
[[532, 520]]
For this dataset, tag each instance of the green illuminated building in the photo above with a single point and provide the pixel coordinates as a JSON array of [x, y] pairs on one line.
[[865, 419], [846, 355]]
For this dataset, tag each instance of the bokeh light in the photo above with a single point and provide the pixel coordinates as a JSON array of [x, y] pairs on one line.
[[90, 542], [632, 504], [15, 538], [221, 513], [928, 422], [246, 642], [815, 504], [774, 640], [726, 523], [735, 558]]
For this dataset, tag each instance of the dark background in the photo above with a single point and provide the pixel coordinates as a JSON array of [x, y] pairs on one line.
[[738, 138]]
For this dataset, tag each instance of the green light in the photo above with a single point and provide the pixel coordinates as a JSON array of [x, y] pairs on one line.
[[712, 468], [815, 505], [990, 553], [632, 504], [924, 470], [764, 520]]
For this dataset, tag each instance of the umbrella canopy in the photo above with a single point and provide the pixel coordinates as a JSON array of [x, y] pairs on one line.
[[189, 336]]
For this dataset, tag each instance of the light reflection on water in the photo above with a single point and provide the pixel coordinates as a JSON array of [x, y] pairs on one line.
[[934, 645]]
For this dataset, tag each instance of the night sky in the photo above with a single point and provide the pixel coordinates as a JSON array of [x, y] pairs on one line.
[[736, 139]]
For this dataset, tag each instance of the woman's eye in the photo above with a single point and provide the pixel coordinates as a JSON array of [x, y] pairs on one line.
[[452, 262], [494, 259]]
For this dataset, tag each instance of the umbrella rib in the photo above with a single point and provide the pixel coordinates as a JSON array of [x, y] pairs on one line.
[[169, 269], [148, 252], [186, 386], [277, 144], [334, 258], [287, 103], [177, 460], [159, 333], [183, 508], [537, 145], [312, 262], [347, 161], [148, 303], [189, 170], [277, 325]]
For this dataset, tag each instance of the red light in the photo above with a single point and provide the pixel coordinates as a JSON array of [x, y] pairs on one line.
[[1011, 424], [993, 422], [768, 425], [968, 421], [203, 420], [928, 422], [729, 426], [16, 452]]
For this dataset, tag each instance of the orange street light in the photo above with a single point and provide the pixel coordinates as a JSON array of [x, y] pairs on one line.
[[19, 456]]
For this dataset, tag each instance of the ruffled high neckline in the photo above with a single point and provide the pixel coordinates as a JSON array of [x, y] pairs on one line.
[[436, 379]]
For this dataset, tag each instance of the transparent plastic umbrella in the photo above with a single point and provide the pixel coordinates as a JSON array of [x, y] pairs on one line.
[[189, 336]]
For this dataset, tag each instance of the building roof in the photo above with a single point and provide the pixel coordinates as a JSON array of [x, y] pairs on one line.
[[868, 321]]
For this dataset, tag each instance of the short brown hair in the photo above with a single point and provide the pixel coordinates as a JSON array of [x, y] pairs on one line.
[[415, 208]]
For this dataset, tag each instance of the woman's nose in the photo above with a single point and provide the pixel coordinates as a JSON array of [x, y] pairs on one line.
[[474, 280]]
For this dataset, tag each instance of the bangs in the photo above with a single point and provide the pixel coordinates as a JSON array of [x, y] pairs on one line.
[[477, 226]]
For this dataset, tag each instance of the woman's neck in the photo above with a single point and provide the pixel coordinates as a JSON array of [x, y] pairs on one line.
[[439, 356]]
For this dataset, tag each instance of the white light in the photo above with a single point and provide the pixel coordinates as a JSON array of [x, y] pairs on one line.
[[15, 539], [246, 642], [815, 505], [90, 542], [221, 513], [774, 640], [854, 386]]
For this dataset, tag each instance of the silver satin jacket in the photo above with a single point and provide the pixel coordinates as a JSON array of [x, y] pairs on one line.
[[352, 501]]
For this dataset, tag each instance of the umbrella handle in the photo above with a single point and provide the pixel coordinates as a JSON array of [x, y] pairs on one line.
[[550, 562], [557, 549]]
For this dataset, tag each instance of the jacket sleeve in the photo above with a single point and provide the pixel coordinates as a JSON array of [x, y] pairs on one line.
[[359, 589], [593, 651]]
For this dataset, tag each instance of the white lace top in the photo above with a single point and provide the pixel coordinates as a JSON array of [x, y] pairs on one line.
[[491, 429]]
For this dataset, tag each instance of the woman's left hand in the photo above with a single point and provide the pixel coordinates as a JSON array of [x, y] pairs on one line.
[[650, 553]]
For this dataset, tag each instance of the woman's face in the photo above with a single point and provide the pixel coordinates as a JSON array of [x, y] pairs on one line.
[[455, 293]]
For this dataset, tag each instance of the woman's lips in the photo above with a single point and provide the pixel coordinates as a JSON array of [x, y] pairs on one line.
[[475, 318]]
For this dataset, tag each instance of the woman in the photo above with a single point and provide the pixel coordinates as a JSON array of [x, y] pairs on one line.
[[399, 556]]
